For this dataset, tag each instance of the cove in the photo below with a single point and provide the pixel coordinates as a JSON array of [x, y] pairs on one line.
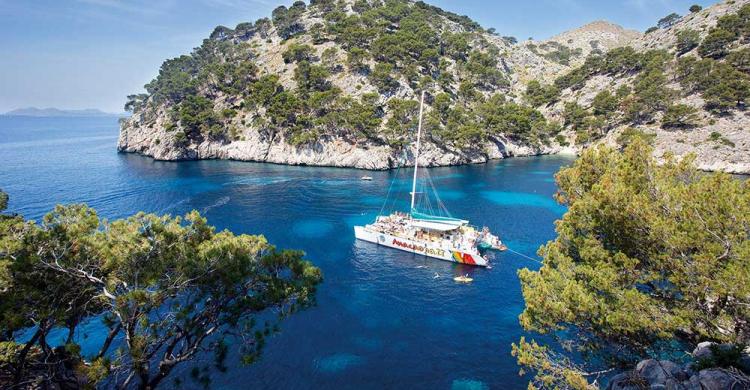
[[383, 319]]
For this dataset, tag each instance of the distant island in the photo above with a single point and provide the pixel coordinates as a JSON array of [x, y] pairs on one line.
[[56, 112]]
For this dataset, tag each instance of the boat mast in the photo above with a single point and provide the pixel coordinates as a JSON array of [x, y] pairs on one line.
[[416, 154]]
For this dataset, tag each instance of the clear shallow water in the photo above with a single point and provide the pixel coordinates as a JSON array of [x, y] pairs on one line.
[[383, 320]]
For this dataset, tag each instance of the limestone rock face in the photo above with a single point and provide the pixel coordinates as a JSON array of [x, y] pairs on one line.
[[328, 151], [595, 37]]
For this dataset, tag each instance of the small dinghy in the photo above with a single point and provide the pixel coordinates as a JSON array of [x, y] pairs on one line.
[[463, 279], [366, 178]]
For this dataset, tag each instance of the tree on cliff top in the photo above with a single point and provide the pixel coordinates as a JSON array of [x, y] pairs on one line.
[[166, 290], [649, 258]]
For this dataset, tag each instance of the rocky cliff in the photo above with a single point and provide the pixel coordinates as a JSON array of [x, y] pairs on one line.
[[336, 84]]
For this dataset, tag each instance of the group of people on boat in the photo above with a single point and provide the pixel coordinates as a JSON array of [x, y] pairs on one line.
[[398, 224], [462, 241], [462, 237]]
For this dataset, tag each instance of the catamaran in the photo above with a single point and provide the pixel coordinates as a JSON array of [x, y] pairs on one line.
[[438, 236]]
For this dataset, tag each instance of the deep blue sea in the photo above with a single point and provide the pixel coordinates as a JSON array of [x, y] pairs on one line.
[[383, 319]]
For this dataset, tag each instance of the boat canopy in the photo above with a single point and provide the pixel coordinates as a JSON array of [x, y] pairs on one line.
[[437, 226], [438, 219]]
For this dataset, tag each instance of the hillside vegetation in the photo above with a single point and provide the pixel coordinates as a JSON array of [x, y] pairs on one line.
[[695, 77], [336, 83], [354, 69]]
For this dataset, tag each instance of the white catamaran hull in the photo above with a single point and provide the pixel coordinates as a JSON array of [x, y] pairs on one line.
[[428, 249]]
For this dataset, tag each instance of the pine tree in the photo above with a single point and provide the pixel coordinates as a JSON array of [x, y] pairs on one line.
[[650, 258]]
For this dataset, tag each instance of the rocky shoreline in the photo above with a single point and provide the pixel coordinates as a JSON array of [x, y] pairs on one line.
[[327, 152], [341, 154], [664, 374]]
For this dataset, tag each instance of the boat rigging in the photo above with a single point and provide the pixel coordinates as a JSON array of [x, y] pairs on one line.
[[437, 236]]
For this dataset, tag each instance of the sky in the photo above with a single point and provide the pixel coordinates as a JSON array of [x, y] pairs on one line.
[[75, 54]]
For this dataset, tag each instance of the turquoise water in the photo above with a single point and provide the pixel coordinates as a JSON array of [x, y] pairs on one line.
[[383, 319]]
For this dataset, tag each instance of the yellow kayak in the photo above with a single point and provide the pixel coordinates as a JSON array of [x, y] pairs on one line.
[[463, 279]]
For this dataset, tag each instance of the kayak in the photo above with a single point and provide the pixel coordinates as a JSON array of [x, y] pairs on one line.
[[463, 279]]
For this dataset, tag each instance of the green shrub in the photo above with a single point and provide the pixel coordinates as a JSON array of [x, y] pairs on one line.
[[514, 120], [404, 116], [668, 21], [283, 108], [352, 32], [695, 75], [356, 60], [617, 61], [329, 58], [197, 116], [221, 32], [180, 137], [740, 60], [687, 40], [728, 29], [467, 91], [318, 34], [135, 102], [245, 30], [560, 139], [730, 88], [717, 137], [716, 43], [605, 103], [361, 118], [679, 116], [175, 80], [510, 40], [722, 356], [361, 6], [629, 134], [622, 92], [311, 77], [538, 94], [574, 115], [595, 126], [234, 77], [228, 113], [562, 54], [483, 69], [262, 91], [652, 92], [653, 59], [287, 20], [298, 53], [415, 41], [457, 45], [263, 26], [381, 77]]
